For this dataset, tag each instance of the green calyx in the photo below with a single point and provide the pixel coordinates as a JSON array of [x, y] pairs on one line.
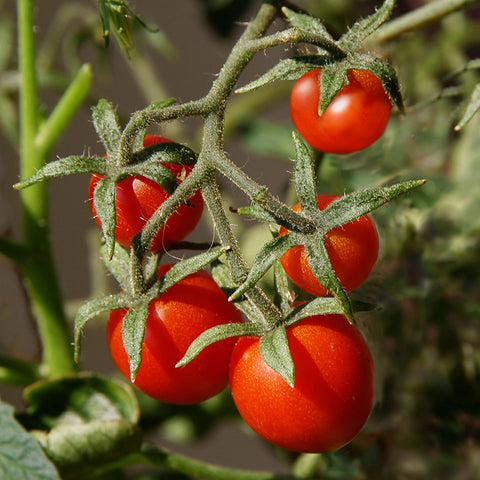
[[334, 57]]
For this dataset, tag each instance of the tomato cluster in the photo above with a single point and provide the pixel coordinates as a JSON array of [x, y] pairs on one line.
[[175, 318], [355, 118], [137, 198], [334, 385]]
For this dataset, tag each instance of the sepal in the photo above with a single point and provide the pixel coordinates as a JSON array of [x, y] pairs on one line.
[[65, 166], [107, 126], [352, 39], [265, 258], [215, 334], [276, 353], [91, 309], [288, 69]]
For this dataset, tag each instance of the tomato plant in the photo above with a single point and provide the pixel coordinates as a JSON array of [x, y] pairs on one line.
[[355, 118], [175, 319], [137, 198], [333, 392], [352, 249], [302, 379]]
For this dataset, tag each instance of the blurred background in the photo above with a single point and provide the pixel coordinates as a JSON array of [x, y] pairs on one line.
[[425, 330]]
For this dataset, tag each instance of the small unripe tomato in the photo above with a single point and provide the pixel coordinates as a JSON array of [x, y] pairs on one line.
[[356, 117], [352, 249]]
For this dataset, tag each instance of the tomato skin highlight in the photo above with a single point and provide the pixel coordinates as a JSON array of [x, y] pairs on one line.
[[352, 249], [175, 319], [137, 198], [333, 393], [356, 117]]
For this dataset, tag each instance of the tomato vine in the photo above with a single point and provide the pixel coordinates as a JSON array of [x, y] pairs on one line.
[[270, 318]]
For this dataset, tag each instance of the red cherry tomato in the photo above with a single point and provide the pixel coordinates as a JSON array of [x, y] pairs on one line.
[[333, 393], [352, 249], [137, 199], [355, 118], [175, 319]]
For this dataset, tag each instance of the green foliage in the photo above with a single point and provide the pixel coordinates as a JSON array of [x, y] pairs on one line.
[[83, 422], [20, 454]]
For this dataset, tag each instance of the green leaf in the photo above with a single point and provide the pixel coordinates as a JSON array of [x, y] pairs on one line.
[[190, 265], [354, 205], [283, 297], [306, 23], [66, 166], [221, 274], [78, 399], [90, 421], [385, 72], [318, 306], [104, 203], [265, 258], [259, 213], [217, 333], [472, 108], [78, 450], [21, 457], [276, 353], [167, 152], [361, 30], [107, 126], [305, 178], [133, 333], [118, 264], [117, 15], [332, 80], [321, 267], [153, 170], [93, 308], [288, 69]]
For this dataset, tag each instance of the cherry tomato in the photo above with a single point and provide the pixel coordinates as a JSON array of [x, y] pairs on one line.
[[333, 392], [352, 249], [175, 319], [355, 118], [137, 199]]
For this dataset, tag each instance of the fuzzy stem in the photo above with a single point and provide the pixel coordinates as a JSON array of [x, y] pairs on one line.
[[260, 195], [418, 18]]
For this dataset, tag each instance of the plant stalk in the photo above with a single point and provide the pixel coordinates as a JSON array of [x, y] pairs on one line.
[[37, 265], [424, 15]]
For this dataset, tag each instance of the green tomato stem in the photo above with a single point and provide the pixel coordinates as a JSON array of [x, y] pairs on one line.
[[161, 457], [424, 15], [37, 264], [68, 105]]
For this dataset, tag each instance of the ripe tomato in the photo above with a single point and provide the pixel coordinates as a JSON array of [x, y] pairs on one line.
[[352, 249], [175, 319], [355, 118], [333, 393], [137, 199]]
